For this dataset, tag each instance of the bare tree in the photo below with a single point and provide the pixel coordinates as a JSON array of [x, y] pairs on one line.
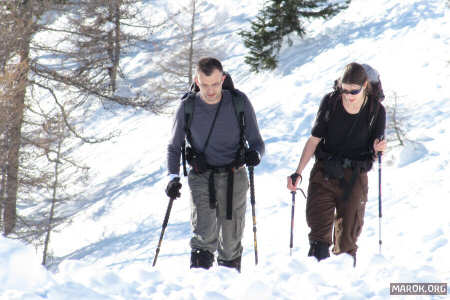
[[33, 62], [64, 172], [98, 39], [44, 189], [192, 40], [397, 121]]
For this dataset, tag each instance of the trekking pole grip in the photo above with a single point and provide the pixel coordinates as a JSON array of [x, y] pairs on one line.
[[294, 177]]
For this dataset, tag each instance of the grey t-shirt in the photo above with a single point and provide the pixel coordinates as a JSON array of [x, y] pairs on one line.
[[224, 141]]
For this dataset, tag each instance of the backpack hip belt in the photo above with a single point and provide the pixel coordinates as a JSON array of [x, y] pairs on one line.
[[225, 169], [345, 162], [230, 187]]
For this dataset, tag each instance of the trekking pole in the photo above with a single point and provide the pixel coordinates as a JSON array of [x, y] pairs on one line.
[[166, 220], [252, 201], [291, 244], [379, 199]]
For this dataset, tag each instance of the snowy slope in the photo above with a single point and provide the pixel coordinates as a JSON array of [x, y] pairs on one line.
[[107, 252]]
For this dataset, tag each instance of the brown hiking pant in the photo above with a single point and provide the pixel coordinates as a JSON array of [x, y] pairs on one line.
[[325, 208]]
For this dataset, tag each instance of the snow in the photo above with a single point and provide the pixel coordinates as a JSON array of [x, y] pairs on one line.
[[107, 252], [21, 268]]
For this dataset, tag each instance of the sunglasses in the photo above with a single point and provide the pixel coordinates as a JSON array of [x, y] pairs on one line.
[[352, 92]]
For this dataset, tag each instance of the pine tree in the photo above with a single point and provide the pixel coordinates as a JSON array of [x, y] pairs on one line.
[[276, 21]]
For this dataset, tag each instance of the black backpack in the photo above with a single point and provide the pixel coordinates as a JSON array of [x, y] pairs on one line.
[[189, 106]]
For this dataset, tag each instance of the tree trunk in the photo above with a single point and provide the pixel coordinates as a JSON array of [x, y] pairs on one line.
[[13, 133], [3, 157], [191, 46], [114, 42], [12, 168], [54, 199], [2, 192]]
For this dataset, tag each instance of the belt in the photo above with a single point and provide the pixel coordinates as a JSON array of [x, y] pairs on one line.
[[224, 169], [230, 182], [346, 163]]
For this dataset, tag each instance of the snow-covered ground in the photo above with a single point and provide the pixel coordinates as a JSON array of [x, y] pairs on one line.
[[107, 252]]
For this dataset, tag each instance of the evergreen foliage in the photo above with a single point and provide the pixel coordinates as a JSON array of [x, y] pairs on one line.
[[276, 21]]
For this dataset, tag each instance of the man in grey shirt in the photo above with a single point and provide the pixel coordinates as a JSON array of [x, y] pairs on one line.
[[217, 180]]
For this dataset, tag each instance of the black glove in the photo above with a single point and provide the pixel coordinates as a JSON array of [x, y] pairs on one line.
[[252, 158], [294, 177], [173, 188]]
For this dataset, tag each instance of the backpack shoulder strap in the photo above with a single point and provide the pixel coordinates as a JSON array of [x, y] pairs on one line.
[[331, 104], [189, 106], [238, 99], [373, 112]]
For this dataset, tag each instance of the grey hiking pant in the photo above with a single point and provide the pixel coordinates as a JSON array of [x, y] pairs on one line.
[[211, 229]]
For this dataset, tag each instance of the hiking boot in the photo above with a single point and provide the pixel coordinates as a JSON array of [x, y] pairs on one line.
[[319, 249], [235, 263], [201, 259]]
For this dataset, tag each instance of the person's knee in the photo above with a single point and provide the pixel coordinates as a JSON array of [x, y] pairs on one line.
[[319, 250]]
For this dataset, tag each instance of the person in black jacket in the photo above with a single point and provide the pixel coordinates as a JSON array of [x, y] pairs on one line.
[[345, 139]]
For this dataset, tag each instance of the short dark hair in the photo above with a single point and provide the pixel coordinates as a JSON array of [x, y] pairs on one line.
[[207, 65]]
